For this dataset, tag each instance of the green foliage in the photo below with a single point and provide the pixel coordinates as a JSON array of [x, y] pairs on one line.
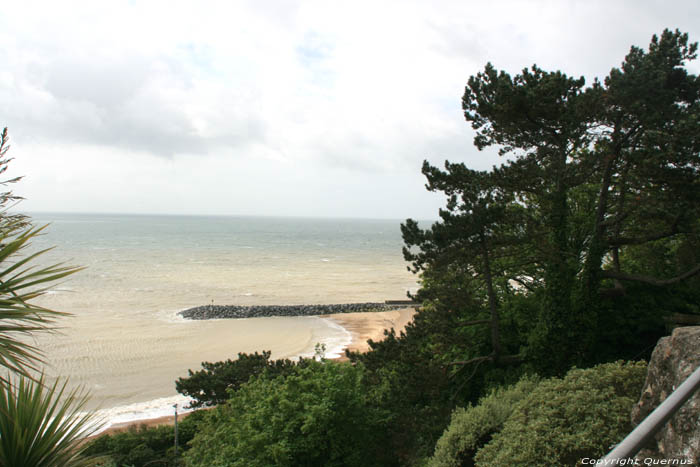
[[472, 427], [566, 419], [410, 369], [630, 325], [414, 369], [41, 424], [601, 194], [20, 283], [321, 414], [139, 446], [557, 421], [9, 222], [210, 385]]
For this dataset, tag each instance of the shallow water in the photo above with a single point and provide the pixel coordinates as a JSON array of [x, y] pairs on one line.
[[126, 343]]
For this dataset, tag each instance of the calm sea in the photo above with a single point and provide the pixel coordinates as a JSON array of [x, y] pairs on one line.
[[125, 341]]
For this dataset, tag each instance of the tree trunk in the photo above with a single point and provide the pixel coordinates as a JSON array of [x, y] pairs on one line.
[[493, 303]]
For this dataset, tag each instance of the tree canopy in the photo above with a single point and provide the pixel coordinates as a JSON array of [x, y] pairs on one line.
[[211, 385], [596, 175], [320, 415]]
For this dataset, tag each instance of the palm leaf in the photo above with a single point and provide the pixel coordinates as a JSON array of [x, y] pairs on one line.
[[43, 425], [20, 283]]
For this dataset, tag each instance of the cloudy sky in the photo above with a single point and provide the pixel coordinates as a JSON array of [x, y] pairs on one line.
[[295, 108]]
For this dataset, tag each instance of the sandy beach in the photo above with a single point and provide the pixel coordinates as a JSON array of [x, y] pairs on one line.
[[371, 325], [362, 326]]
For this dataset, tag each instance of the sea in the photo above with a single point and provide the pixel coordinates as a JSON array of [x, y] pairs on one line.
[[125, 342]]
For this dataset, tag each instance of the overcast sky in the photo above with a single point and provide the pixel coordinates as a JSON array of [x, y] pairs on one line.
[[309, 108]]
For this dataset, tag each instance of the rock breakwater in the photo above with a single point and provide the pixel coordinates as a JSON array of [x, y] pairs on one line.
[[263, 311]]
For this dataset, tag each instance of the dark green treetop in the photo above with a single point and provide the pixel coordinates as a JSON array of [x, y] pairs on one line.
[[595, 173]]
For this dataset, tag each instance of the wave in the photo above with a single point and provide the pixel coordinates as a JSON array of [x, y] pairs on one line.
[[155, 408], [335, 346]]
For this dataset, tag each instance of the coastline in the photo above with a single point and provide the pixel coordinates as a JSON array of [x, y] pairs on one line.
[[362, 326]]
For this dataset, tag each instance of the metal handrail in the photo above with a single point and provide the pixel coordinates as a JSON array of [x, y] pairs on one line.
[[646, 430]]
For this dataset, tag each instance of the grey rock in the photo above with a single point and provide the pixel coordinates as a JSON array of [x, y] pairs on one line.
[[260, 311], [673, 360]]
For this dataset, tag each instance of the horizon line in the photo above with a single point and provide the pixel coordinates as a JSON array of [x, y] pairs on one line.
[[32, 213]]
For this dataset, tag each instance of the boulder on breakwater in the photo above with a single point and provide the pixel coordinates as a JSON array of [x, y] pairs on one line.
[[264, 311]]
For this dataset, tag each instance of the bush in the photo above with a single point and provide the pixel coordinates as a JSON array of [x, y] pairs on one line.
[[566, 419], [141, 445], [209, 385], [320, 415], [472, 427], [413, 368]]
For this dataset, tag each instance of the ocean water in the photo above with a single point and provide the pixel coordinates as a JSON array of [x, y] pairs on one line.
[[125, 342]]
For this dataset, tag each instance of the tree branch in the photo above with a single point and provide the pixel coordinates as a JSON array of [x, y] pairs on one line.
[[473, 322], [619, 241], [683, 318], [492, 358], [650, 280], [473, 360]]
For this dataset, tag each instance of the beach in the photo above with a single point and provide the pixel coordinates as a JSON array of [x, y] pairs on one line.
[[361, 326], [370, 325]]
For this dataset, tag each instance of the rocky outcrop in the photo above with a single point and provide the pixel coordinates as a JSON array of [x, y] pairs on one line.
[[262, 311], [672, 361]]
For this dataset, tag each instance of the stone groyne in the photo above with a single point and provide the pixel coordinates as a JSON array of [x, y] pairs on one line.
[[263, 311]]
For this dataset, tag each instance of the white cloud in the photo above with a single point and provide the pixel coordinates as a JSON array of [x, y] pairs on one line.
[[291, 107]]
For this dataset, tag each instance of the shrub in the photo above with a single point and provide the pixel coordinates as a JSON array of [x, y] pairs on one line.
[[472, 427], [142, 445], [413, 368], [319, 415], [566, 419]]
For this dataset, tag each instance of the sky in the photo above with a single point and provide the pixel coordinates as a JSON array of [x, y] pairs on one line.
[[276, 108]]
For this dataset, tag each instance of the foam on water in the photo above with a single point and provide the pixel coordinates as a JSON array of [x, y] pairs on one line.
[[335, 347], [172, 316], [161, 407], [335, 344]]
